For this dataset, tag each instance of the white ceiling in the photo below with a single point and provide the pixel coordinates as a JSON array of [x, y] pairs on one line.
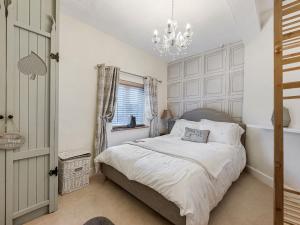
[[133, 21]]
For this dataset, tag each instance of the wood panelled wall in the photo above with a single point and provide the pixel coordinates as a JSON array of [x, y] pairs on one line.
[[213, 79]]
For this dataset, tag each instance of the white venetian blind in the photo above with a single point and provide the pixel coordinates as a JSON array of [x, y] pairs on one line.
[[130, 101]]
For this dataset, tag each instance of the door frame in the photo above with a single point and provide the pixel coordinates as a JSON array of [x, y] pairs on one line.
[[54, 82]]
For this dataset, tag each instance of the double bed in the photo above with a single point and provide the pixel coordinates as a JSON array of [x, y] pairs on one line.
[[182, 181]]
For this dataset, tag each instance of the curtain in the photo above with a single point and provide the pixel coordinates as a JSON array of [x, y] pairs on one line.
[[151, 106], [108, 79]]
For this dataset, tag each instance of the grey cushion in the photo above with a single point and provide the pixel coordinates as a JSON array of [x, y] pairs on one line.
[[195, 135], [99, 221]]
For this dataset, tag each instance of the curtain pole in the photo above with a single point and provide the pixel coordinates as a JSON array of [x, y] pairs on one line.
[[133, 74]]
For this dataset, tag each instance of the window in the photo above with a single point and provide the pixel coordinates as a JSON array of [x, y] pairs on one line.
[[130, 101]]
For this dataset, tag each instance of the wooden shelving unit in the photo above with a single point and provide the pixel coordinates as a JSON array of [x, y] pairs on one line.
[[286, 60]]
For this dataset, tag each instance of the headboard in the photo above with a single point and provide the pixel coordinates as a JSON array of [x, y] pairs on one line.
[[211, 114]]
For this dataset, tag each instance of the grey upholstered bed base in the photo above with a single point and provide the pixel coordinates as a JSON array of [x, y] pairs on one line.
[[149, 196]]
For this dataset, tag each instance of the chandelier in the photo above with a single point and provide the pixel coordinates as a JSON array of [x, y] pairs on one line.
[[172, 42]]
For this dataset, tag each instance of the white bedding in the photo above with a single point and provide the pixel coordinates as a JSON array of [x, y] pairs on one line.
[[211, 156], [194, 176]]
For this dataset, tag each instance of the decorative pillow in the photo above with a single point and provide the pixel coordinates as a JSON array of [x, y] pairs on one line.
[[195, 135], [222, 132], [180, 125]]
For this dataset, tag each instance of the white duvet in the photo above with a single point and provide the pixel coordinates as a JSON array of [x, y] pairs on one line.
[[194, 176]]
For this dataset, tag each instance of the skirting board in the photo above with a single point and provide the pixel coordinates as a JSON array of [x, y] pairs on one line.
[[266, 179], [92, 171]]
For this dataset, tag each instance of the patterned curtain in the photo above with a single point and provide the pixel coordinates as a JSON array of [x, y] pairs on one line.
[[151, 107], [108, 79]]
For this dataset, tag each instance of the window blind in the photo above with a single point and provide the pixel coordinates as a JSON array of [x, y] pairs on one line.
[[130, 101]]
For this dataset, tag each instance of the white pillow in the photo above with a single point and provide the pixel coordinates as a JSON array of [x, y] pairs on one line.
[[180, 125], [222, 132]]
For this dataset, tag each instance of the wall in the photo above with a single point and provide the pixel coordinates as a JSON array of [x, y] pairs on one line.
[[81, 48], [258, 108], [212, 79]]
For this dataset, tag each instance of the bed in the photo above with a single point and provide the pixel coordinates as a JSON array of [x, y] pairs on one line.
[[182, 209]]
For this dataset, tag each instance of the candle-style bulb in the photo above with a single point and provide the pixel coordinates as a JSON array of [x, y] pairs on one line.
[[188, 27]]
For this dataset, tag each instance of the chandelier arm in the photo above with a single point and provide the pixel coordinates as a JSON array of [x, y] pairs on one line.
[[172, 10]]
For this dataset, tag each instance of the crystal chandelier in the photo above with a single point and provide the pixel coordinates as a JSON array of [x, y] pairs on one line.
[[172, 42]]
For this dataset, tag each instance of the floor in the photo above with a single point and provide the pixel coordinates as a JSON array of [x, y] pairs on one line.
[[248, 202]]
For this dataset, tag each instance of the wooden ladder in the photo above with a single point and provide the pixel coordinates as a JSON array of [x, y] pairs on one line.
[[286, 60]]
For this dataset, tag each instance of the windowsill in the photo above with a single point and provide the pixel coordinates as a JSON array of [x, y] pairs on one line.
[[115, 129]]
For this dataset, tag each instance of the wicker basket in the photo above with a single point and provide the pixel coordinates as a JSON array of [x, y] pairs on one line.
[[73, 173], [11, 141]]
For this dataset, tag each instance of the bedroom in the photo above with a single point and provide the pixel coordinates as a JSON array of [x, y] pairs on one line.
[[104, 118]]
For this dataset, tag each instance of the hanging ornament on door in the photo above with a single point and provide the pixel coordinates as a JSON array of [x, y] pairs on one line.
[[10, 140], [32, 65]]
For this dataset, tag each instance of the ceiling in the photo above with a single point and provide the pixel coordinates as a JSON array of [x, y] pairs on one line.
[[133, 21]]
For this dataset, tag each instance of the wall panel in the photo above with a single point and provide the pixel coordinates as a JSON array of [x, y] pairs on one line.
[[237, 56], [218, 104], [236, 108], [214, 61], [236, 82], [212, 79], [214, 86], [192, 67], [191, 88], [174, 90], [174, 71]]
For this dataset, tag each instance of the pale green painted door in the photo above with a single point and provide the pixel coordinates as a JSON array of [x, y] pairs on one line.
[[33, 105], [2, 106]]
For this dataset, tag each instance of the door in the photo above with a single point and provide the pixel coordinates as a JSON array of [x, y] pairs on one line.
[[31, 103], [2, 106]]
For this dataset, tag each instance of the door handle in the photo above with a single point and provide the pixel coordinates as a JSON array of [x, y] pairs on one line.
[[1, 117]]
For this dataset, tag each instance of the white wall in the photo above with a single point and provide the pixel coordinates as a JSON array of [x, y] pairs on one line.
[[258, 108], [258, 78], [81, 48]]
